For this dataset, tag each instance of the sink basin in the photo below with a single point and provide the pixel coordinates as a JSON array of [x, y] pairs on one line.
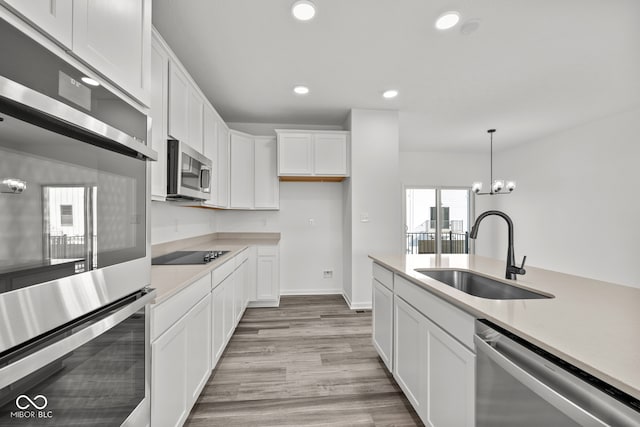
[[480, 286]]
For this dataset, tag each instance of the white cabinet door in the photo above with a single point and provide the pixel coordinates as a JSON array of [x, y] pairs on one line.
[[54, 17], [451, 381], [217, 318], [383, 322], [266, 190], [242, 166], [159, 101], [240, 285], [168, 377], [210, 148], [330, 154], [229, 307], [223, 166], [410, 353], [114, 37], [267, 277], [295, 154], [198, 365], [178, 103], [195, 107]]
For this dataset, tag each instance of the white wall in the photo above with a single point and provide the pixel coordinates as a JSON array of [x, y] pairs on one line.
[[375, 192], [310, 223], [576, 208], [172, 222]]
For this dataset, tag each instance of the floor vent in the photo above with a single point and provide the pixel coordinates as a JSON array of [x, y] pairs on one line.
[[360, 311]]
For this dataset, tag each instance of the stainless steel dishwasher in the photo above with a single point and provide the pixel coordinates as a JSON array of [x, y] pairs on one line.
[[519, 384]]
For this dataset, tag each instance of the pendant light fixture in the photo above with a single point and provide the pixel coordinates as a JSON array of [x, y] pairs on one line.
[[496, 185]]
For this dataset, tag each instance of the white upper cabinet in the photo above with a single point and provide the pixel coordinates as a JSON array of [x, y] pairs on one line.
[[313, 154], [267, 187], [54, 17], [242, 182], [195, 107], [330, 154], [186, 108], [159, 103], [222, 173], [210, 149], [295, 154], [114, 37], [178, 103], [254, 181]]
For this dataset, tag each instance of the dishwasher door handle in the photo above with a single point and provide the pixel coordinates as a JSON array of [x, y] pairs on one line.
[[554, 398]]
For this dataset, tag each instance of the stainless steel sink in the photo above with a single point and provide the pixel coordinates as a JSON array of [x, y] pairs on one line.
[[480, 286]]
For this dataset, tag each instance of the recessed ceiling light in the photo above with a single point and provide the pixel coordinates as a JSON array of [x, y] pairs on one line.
[[90, 81], [303, 10], [391, 93], [301, 90], [447, 20]]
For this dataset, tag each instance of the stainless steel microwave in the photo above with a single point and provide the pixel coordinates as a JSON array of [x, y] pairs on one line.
[[188, 172]]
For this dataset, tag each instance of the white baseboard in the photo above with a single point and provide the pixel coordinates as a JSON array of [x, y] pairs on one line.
[[357, 305], [311, 292], [263, 304]]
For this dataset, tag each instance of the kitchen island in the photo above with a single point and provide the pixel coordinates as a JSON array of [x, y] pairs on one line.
[[591, 324]]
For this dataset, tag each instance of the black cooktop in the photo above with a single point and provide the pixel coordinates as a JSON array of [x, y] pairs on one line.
[[187, 257]]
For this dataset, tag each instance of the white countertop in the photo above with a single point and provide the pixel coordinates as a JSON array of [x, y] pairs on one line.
[[591, 324], [167, 280]]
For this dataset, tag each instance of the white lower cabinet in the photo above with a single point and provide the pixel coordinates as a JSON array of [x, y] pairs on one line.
[[239, 286], [169, 382], [410, 349], [191, 329], [218, 340], [265, 288], [451, 381], [181, 360], [383, 323], [428, 344], [198, 348]]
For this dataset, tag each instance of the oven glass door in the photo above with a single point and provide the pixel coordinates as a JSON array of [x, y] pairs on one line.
[[81, 375], [66, 206]]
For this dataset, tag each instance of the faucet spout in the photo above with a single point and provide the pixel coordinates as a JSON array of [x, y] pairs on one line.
[[512, 269]]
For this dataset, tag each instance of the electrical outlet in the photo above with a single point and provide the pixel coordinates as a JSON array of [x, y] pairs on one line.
[[327, 274]]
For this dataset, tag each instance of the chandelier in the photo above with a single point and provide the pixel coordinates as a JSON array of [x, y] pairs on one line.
[[497, 185]]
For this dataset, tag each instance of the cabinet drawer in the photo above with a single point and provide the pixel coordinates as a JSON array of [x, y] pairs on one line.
[[168, 312], [223, 271], [453, 320], [241, 257], [383, 275]]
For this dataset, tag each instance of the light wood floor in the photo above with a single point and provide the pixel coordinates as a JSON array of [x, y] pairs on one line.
[[309, 362]]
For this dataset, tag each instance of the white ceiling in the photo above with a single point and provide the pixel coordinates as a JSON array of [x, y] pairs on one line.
[[533, 67]]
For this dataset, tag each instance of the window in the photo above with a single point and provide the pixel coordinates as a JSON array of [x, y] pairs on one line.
[[66, 215], [437, 220]]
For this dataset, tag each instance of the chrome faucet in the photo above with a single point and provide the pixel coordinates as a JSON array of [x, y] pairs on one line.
[[512, 268]]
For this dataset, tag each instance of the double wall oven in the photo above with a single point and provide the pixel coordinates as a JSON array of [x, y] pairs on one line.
[[74, 254]]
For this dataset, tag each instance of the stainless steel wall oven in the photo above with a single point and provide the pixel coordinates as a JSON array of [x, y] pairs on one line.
[[74, 252]]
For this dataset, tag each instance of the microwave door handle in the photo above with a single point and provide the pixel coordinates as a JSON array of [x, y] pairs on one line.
[[562, 403], [205, 177], [31, 363]]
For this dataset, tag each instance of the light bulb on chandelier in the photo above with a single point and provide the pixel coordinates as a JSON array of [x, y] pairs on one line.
[[497, 185]]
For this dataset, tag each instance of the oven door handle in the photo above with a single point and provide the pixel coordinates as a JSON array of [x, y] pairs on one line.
[[562, 403], [34, 361]]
